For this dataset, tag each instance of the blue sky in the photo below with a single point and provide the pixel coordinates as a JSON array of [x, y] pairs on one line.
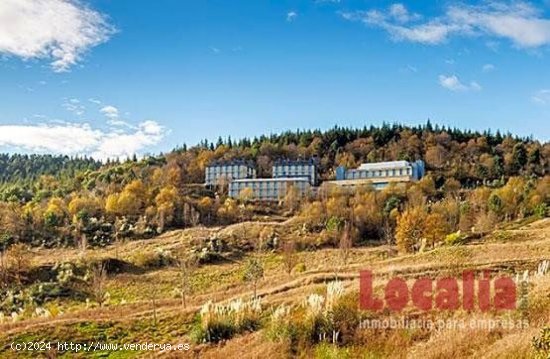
[[110, 78]]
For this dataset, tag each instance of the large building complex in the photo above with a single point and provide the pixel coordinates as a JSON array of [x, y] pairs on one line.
[[302, 175], [299, 168], [379, 174], [217, 173]]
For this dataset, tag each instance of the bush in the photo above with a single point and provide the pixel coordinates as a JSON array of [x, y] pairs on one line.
[[320, 314], [541, 344], [299, 268], [156, 259], [454, 239], [334, 224], [215, 332], [220, 322], [331, 351], [43, 292], [280, 327], [541, 210]]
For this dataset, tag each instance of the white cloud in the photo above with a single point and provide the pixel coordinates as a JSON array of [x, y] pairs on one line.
[[427, 33], [541, 97], [109, 111], [400, 13], [148, 133], [58, 30], [291, 16], [95, 101], [80, 139], [75, 106], [519, 22], [475, 86], [453, 83], [488, 67]]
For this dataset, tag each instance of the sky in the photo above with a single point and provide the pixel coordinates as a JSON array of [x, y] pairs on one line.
[[110, 78]]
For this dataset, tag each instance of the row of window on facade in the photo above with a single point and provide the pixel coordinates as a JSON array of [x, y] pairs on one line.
[[353, 174], [268, 188], [217, 172]]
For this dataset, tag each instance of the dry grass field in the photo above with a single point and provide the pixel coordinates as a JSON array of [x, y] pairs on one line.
[[143, 305]]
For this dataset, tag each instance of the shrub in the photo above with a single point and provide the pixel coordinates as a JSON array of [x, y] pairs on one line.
[[319, 323], [156, 259], [541, 210], [299, 268], [456, 238], [220, 322], [541, 343], [331, 351], [280, 327], [334, 223]]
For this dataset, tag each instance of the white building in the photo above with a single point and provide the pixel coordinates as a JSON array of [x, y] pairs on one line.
[[224, 172], [379, 174], [297, 168]]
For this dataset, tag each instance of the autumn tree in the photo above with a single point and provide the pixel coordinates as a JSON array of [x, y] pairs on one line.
[[206, 208], [87, 205], [435, 228], [253, 272], [345, 244], [292, 198], [18, 258], [56, 212], [187, 266], [131, 201], [289, 255], [97, 283], [166, 202], [410, 229]]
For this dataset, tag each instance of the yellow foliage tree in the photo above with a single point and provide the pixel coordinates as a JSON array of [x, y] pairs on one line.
[[111, 204], [435, 228], [131, 201], [166, 201], [89, 204], [56, 211], [410, 229]]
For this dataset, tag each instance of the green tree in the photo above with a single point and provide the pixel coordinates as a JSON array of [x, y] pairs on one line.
[[253, 272]]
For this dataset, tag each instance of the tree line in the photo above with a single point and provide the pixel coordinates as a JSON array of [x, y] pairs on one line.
[[57, 200]]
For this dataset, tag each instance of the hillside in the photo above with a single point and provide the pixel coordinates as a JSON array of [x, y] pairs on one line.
[[130, 315], [57, 201], [141, 251]]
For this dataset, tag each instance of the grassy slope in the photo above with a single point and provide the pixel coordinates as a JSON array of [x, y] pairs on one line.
[[509, 251]]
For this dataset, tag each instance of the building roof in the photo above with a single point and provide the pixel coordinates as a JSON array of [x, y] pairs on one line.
[[275, 179], [383, 165], [282, 162], [365, 181], [234, 162]]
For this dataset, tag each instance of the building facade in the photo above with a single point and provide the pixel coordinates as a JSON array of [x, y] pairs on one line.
[[269, 189], [379, 174], [298, 168], [224, 172]]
